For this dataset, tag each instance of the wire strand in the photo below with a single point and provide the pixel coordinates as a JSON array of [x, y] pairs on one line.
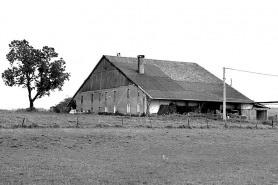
[[252, 72]]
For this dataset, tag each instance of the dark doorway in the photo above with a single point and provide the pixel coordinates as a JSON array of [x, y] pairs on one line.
[[261, 114]]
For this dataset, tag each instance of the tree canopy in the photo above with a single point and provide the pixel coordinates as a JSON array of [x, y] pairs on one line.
[[61, 107], [38, 70]]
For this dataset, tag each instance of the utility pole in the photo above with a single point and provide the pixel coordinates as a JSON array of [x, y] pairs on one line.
[[224, 95]]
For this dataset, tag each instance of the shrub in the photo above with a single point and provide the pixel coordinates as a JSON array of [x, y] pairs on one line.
[[27, 110], [117, 113], [61, 107], [169, 126], [105, 113]]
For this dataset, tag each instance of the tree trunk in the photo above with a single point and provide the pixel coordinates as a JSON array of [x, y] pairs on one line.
[[31, 101], [31, 105]]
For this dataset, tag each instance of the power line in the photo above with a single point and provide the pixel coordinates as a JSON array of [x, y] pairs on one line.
[[252, 72], [224, 87]]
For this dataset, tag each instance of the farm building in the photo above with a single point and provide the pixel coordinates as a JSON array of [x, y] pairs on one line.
[[140, 86]]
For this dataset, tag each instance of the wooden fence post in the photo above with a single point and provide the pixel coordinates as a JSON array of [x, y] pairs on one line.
[[22, 125]]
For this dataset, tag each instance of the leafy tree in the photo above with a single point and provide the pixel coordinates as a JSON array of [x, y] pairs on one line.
[[62, 106], [34, 69]]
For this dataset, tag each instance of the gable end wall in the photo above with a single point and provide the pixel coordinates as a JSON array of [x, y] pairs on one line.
[[98, 92]]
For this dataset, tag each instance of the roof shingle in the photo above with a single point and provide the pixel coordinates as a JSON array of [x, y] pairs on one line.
[[177, 80]]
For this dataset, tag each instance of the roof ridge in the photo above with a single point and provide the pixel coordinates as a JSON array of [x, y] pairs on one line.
[[152, 59]]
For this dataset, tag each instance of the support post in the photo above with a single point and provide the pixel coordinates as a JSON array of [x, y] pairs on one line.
[[224, 95], [22, 125]]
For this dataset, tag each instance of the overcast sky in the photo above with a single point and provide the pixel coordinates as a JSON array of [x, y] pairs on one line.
[[240, 34]]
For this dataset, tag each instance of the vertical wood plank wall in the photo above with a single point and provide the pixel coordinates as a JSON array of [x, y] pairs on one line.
[[106, 79], [120, 101]]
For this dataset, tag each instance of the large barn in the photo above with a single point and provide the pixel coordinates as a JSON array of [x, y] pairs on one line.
[[139, 86]]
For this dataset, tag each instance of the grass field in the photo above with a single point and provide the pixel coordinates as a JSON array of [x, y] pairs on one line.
[[105, 151], [273, 112]]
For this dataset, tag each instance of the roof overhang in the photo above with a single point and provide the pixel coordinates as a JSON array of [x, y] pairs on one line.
[[200, 100]]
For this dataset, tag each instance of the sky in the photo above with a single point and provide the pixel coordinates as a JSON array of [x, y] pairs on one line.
[[238, 34]]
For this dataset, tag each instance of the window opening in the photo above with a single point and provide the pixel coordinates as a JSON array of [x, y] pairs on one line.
[[99, 98], [128, 108], [92, 101], [105, 102], [128, 94], [114, 97], [81, 103], [114, 101], [138, 102]]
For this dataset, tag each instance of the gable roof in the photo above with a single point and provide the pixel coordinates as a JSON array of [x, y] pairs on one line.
[[173, 80], [178, 71]]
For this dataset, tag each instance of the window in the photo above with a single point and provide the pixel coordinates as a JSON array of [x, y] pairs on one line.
[[99, 101], [138, 102], [105, 102], [114, 97], [138, 108], [74, 105], [81, 104], [128, 94], [92, 101]]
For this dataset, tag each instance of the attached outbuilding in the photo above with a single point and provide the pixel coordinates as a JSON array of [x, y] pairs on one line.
[[255, 111], [140, 86]]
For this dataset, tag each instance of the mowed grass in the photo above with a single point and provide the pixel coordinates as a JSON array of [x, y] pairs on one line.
[[135, 155]]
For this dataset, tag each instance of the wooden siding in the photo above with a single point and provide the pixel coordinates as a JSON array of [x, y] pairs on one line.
[[105, 76], [120, 101], [249, 113]]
